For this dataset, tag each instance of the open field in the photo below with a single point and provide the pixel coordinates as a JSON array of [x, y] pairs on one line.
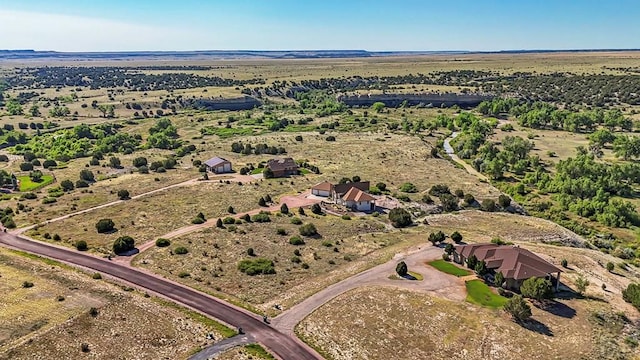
[[52, 319], [387, 323], [214, 254], [150, 217]]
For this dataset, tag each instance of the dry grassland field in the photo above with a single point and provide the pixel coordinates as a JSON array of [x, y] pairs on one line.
[[52, 319], [507, 146], [211, 263]]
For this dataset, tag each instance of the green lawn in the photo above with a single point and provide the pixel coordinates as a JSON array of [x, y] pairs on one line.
[[449, 268], [27, 185], [480, 293], [257, 171]]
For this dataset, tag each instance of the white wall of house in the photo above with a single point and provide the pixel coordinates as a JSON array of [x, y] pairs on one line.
[[222, 168], [317, 192], [360, 205]]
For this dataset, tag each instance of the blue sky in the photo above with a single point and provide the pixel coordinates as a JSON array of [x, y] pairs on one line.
[[118, 25]]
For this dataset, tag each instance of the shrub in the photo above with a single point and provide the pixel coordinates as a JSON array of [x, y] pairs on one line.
[[480, 268], [408, 188], [632, 295], [446, 257], [346, 217], [296, 240], [437, 237], [305, 266], [267, 173], [49, 200], [488, 205], [284, 209], [66, 185], [449, 202], [183, 274], [469, 199], [400, 218], [230, 210], [331, 138], [262, 202], [96, 276], [472, 261], [518, 308], [308, 230], [327, 243], [402, 269], [93, 312], [123, 194], [316, 209], [427, 199], [564, 263], [251, 252], [281, 231], [257, 266], [459, 193], [27, 284], [161, 242], [439, 189], [49, 164], [229, 220], [610, 266], [504, 201], [29, 196], [296, 221], [581, 284], [536, 288], [81, 245], [26, 166], [198, 220], [456, 237], [298, 137], [498, 280], [449, 249], [262, 217], [181, 250], [246, 217], [82, 184], [105, 226], [87, 175], [219, 223], [123, 244], [56, 237]]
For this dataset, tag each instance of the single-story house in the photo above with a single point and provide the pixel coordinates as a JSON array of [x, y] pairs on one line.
[[358, 200], [283, 167], [339, 190], [515, 263], [322, 189], [218, 165]]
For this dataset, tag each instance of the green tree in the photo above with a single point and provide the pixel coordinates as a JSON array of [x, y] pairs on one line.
[[632, 295], [437, 237], [402, 269], [456, 237], [123, 194], [449, 249], [87, 175], [123, 244], [284, 208], [480, 268], [114, 162], [400, 218], [377, 106], [536, 288], [267, 173], [13, 107], [498, 279], [504, 201], [518, 308], [472, 261], [81, 245], [36, 176], [34, 111], [308, 230], [66, 185], [105, 225], [610, 266], [262, 202], [316, 209]]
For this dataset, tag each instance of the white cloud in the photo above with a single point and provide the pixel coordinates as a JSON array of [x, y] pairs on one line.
[[39, 31]]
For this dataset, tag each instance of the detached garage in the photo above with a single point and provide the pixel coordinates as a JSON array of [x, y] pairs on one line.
[[218, 165], [322, 189]]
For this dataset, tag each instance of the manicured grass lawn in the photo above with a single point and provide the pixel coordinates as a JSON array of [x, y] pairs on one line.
[[257, 171], [449, 268], [480, 293], [27, 185]]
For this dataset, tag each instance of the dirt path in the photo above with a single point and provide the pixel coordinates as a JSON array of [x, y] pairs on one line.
[[435, 282], [282, 345], [449, 150], [212, 178], [301, 200]]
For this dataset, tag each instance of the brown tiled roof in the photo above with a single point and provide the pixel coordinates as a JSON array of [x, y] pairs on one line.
[[323, 186], [512, 261], [344, 188], [358, 195], [282, 164]]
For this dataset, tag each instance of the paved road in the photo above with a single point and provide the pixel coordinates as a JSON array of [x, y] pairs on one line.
[[284, 346], [222, 346], [435, 282]]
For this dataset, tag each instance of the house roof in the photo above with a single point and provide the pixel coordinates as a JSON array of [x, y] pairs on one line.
[[215, 161], [513, 262], [358, 195], [323, 186], [282, 164], [344, 188]]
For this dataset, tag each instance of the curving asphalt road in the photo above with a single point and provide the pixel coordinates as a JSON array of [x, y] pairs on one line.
[[284, 346]]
